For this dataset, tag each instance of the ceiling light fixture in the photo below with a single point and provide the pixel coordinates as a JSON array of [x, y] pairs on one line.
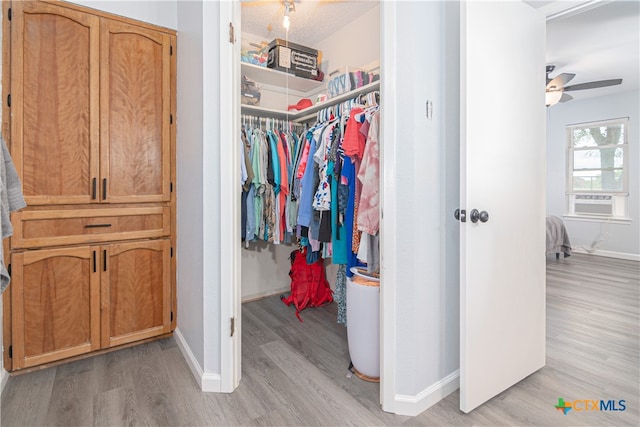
[[289, 6]]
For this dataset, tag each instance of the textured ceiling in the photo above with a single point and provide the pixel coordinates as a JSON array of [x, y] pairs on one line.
[[312, 21]]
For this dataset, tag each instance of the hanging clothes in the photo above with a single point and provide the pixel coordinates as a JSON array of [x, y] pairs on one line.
[[11, 200], [319, 185], [266, 196], [369, 177]]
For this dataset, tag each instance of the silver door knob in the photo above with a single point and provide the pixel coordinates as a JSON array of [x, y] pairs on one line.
[[476, 215]]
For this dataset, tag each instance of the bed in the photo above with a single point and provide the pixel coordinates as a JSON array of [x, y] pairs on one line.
[[557, 237]]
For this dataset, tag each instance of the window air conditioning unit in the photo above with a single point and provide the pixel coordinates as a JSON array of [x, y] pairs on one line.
[[592, 204]]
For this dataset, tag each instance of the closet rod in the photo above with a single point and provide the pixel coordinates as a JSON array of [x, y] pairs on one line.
[[336, 101], [311, 111], [268, 123]]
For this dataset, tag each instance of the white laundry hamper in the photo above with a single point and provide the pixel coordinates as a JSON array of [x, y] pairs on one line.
[[363, 324]]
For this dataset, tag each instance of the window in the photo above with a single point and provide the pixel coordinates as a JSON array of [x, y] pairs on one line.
[[597, 169]]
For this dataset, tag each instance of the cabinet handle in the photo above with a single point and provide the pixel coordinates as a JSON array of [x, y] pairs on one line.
[[104, 188], [97, 225], [94, 261], [104, 260], [93, 189]]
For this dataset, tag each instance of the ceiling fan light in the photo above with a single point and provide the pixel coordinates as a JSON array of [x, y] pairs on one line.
[[552, 98]]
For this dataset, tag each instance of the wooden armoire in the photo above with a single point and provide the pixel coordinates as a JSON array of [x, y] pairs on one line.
[[90, 122]]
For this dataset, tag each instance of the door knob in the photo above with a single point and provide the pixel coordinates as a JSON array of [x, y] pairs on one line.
[[460, 215], [477, 215]]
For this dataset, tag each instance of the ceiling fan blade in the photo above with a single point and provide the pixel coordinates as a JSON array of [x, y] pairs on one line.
[[565, 97], [560, 80], [593, 85]]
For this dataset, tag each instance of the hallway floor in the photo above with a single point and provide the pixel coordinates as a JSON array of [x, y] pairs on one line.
[[295, 373]]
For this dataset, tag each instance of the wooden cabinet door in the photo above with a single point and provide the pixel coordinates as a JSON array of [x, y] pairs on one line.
[[135, 284], [135, 89], [54, 102], [55, 302]]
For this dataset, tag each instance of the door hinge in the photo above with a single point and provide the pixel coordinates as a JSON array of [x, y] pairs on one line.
[[170, 119], [170, 50], [232, 33], [172, 316], [171, 187], [171, 252], [9, 14], [233, 326], [9, 100], [9, 270], [11, 351]]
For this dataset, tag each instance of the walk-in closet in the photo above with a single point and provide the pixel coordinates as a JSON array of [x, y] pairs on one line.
[[310, 108]]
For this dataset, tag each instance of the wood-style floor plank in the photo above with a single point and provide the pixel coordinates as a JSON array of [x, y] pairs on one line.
[[117, 406], [26, 402], [294, 374]]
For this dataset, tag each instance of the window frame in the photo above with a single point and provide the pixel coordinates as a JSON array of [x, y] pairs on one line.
[[619, 197]]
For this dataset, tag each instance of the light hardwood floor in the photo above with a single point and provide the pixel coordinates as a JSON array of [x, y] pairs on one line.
[[295, 373]]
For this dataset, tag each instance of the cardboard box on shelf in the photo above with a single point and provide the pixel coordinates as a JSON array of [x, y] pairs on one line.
[[293, 58]]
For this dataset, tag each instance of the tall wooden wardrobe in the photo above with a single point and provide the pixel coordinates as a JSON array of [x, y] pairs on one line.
[[91, 101]]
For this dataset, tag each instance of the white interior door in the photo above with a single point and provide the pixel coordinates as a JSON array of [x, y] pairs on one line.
[[502, 261]]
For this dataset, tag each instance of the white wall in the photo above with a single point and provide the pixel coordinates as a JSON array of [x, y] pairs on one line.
[[450, 193], [190, 170], [623, 239], [424, 181], [355, 45], [198, 151], [211, 184], [158, 12]]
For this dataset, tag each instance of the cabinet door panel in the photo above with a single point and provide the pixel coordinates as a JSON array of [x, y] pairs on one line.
[[55, 101], [55, 303], [135, 102], [135, 287]]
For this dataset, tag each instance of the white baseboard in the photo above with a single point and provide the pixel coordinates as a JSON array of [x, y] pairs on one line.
[[4, 377], [608, 254], [414, 405], [207, 382], [260, 295], [211, 383]]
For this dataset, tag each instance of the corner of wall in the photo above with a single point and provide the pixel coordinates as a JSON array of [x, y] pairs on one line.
[[207, 382], [414, 405]]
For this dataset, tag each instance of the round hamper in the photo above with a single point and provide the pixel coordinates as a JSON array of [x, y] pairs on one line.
[[363, 324]]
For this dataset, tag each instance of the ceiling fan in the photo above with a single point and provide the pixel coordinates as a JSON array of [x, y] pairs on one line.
[[555, 90]]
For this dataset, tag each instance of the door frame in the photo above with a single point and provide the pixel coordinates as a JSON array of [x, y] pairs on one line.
[[230, 245]]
